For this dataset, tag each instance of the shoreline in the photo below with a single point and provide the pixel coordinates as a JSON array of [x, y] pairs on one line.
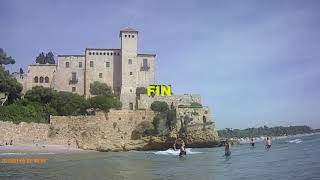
[[41, 148]]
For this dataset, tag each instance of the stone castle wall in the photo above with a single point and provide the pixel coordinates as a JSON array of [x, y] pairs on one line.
[[23, 132], [145, 101]]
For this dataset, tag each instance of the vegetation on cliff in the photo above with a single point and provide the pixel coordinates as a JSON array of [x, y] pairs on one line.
[[264, 131]]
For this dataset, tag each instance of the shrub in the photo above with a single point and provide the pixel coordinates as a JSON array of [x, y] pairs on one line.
[[159, 106], [195, 104]]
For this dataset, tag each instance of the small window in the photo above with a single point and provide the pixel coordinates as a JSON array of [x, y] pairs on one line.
[[130, 90], [74, 76], [73, 89], [145, 62], [91, 63], [131, 106], [131, 73], [118, 54], [41, 79], [100, 75], [80, 64], [93, 53], [46, 79], [132, 36], [129, 61], [36, 79], [108, 53], [104, 53], [97, 53], [111, 53], [128, 35], [125, 35], [89, 53], [101, 53], [67, 64], [107, 64]]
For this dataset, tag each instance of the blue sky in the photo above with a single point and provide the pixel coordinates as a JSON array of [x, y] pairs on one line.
[[254, 62]]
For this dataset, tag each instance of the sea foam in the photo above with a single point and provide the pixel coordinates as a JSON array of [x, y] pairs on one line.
[[173, 152]]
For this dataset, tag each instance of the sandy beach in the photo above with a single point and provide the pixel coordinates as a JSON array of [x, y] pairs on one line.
[[40, 148]]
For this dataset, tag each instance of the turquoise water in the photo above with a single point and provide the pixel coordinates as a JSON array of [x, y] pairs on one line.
[[295, 158]]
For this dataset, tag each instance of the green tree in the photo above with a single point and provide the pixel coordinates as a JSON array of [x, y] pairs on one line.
[[49, 58], [98, 88], [8, 84], [41, 95], [104, 99], [159, 106], [67, 103], [41, 58], [4, 59]]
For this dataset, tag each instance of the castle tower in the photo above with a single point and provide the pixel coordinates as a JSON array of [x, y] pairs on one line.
[[129, 48]]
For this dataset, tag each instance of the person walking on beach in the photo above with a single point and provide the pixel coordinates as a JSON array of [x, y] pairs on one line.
[[69, 143], [268, 143], [252, 143], [227, 147]]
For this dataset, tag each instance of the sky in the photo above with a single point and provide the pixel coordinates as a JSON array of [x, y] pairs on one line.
[[254, 62]]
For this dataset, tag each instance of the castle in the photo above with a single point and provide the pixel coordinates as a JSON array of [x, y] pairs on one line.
[[123, 69]]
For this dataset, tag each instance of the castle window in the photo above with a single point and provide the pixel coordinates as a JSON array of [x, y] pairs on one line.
[[89, 53], [91, 63], [36, 79], [73, 89], [125, 35], [128, 35], [80, 64], [130, 90], [129, 61], [74, 76], [67, 64], [118, 54], [107, 64], [111, 53], [101, 53], [131, 106], [100, 75], [131, 73], [46, 79], [145, 62], [41, 79], [132, 36], [93, 53], [107, 53], [104, 53]]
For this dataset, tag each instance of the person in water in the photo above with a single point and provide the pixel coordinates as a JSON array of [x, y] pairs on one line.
[[182, 149], [252, 142], [227, 151], [268, 143]]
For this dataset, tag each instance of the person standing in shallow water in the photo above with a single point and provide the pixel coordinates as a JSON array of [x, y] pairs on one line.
[[252, 142], [227, 151], [268, 143], [182, 149]]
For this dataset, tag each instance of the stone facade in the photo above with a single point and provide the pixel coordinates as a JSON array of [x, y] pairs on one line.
[[122, 69]]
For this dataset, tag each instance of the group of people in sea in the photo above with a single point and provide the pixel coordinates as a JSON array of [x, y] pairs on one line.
[[227, 150]]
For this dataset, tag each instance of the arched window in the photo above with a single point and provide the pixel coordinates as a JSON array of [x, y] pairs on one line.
[[46, 79], [36, 79], [41, 79]]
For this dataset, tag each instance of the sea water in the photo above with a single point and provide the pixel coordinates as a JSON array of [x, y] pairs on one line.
[[295, 158]]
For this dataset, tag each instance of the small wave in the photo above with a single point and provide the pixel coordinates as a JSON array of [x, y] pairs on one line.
[[295, 141], [173, 152]]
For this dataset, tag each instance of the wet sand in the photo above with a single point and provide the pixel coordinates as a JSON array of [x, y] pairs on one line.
[[41, 148]]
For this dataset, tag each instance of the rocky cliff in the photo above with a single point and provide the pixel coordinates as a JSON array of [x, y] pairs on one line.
[[113, 131]]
